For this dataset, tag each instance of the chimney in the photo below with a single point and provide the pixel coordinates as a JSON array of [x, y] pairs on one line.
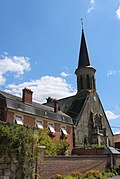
[[56, 106], [27, 96]]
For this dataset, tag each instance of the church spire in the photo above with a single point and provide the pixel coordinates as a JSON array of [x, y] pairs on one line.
[[84, 59], [85, 72]]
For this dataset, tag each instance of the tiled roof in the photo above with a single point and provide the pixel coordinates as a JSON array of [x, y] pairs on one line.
[[73, 105], [117, 138], [111, 150], [14, 102]]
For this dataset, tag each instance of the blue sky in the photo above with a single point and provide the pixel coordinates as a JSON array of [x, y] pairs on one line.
[[39, 47]]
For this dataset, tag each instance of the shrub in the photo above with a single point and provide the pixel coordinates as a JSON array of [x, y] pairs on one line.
[[77, 175], [117, 169], [58, 176], [44, 139], [53, 147], [62, 146]]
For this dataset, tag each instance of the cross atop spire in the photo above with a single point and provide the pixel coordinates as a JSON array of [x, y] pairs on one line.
[[84, 59], [82, 23]]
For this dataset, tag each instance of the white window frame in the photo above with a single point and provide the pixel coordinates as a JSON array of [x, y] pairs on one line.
[[39, 124], [64, 131], [51, 127], [18, 120]]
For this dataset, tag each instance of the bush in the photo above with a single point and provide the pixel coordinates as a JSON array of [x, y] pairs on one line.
[[117, 169], [61, 147], [53, 147], [44, 139], [17, 142], [58, 176]]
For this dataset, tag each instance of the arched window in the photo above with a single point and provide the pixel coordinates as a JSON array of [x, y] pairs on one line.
[[93, 82], [88, 81], [81, 81]]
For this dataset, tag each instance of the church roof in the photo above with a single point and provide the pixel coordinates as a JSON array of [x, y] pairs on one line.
[[73, 106], [84, 59]]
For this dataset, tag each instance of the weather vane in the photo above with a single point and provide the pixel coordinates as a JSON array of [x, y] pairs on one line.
[[82, 23]]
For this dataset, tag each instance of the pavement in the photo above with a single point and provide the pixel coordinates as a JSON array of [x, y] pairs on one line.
[[116, 177]]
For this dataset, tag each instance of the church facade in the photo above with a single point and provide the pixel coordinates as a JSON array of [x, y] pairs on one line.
[[91, 125]]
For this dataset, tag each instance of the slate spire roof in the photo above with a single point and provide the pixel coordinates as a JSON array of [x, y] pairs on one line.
[[84, 59]]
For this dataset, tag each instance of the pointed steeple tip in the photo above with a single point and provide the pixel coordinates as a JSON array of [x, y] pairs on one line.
[[82, 24], [84, 59]]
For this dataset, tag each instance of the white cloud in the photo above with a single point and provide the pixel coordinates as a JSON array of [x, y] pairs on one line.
[[111, 115], [112, 72], [46, 86], [63, 74], [118, 13], [118, 132], [92, 6], [15, 64]]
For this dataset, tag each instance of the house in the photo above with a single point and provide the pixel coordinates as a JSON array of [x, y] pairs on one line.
[[90, 123], [23, 111], [117, 141]]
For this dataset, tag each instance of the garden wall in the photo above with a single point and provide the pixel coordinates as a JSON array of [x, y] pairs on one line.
[[48, 166]]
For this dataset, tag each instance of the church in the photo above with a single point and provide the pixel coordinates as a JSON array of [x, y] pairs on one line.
[[90, 124], [79, 119]]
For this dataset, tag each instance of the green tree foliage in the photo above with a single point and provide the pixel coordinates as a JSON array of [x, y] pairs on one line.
[[44, 140], [53, 147], [19, 143], [62, 147]]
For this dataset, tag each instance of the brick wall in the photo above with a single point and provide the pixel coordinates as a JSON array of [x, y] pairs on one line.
[[66, 165], [117, 141], [117, 160], [70, 136], [2, 108], [10, 117], [29, 121], [48, 166]]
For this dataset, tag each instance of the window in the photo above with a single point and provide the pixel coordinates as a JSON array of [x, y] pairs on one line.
[[45, 113], [39, 124], [51, 128], [81, 79], [63, 118], [88, 82], [18, 120], [64, 131]]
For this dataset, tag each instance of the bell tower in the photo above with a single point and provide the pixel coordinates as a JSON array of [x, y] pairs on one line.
[[85, 72]]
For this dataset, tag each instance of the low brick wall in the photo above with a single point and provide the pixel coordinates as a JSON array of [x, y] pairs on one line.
[[48, 166]]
